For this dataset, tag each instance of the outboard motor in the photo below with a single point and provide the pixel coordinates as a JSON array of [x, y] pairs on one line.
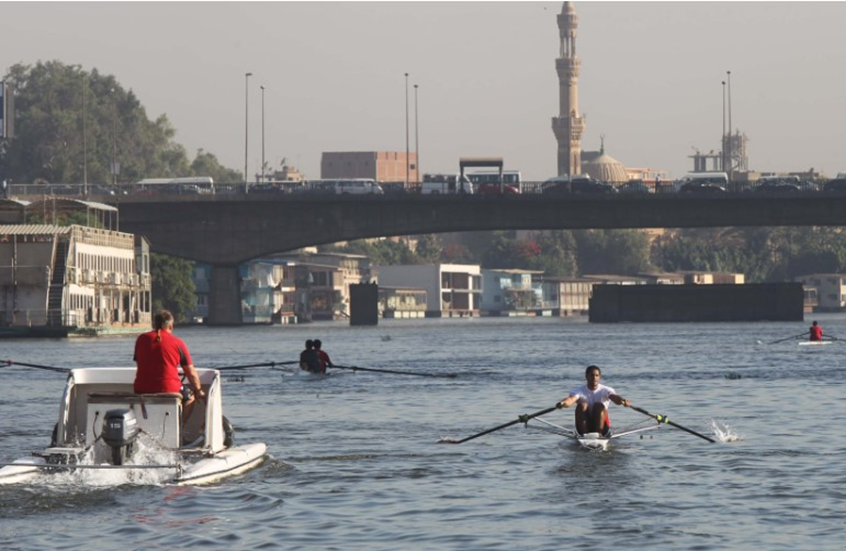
[[120, 429]]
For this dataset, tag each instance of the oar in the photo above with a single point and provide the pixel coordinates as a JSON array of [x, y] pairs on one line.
[[664, 419], [356, 368], [521, 419], [247, 366], [788, 338]]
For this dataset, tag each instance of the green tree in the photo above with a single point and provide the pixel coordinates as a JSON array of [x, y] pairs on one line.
[[558, 256], [383, 252], [206, 164], [70, 123], [613, 251], [429, 249], [173, 288]]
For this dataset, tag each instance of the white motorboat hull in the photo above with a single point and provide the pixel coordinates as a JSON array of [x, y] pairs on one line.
[[96, 398], [22, 470], [230, 462]]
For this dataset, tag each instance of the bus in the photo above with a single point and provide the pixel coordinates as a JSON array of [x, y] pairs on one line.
[[488, 181], [350, 186], [193, 185]]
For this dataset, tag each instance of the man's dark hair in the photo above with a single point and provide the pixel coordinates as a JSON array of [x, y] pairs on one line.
[[596, 367]]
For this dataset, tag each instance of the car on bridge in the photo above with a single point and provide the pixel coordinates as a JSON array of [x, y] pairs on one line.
[[577, 184], [777, 185], [493, 188], [701, 187], [635, 187], [837, 185]]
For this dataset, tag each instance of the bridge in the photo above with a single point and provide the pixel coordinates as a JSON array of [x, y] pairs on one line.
[[225, 231]]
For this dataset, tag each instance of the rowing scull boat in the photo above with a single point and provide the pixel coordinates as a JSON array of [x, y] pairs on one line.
[[593, 440]]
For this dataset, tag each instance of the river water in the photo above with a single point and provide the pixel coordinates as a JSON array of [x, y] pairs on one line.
[[355, 461]]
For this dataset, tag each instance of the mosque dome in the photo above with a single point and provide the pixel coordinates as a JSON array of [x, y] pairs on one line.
[[606, 168]]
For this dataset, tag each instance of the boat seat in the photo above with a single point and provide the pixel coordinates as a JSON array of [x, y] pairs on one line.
[[132, 398]]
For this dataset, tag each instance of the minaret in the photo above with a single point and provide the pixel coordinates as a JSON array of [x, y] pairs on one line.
[[569, 125]]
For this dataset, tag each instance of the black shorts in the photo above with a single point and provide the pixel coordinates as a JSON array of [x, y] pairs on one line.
[[186, 392]]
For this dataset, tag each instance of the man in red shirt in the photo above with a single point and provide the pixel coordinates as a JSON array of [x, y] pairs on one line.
[[158, 355], [324, 357], [815, 332]]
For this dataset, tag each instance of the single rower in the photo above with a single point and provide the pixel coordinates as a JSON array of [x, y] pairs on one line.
[[593, 399]]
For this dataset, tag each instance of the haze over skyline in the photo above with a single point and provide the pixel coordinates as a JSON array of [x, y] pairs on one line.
[[334, 79]]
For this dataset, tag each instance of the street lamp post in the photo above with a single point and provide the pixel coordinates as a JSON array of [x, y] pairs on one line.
[[114, 139], [262, 134], [246, 126], [84, 138], [406, 131], [730, 139], [723, 152], [416, 140]]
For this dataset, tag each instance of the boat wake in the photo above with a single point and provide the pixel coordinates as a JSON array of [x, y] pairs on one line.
[[724, 433], [146, 455]]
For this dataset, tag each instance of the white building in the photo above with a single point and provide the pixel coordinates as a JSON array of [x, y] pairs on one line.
[[824, 292], [73, 277], [452, 290], [510, 292]]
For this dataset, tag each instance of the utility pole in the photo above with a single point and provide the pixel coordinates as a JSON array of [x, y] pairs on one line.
[[406, 132], [416, 138]]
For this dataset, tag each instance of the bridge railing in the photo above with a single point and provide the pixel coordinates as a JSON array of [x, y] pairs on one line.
[[111, 192]]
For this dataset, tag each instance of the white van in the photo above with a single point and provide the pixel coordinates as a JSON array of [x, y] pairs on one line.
[[358, 186], [445, 183]]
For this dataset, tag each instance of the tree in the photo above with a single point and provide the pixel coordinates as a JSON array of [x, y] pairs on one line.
[[613, 251], [206, 164], [559, 256], [429, 249], [383, 252], [70, 124], [173, 288], [66, 116]]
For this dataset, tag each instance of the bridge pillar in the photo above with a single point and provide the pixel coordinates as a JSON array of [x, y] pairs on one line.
[[225, 296]]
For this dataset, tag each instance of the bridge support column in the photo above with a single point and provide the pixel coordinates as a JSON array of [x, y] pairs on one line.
[[225, 296]]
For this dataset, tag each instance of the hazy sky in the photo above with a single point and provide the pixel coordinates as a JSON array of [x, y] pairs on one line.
[[334, 76]]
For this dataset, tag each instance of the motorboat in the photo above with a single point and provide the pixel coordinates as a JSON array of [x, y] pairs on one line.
[[103, 424]]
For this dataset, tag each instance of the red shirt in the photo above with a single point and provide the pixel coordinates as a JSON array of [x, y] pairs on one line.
[[158, 363], [816, 333], [324, 359]]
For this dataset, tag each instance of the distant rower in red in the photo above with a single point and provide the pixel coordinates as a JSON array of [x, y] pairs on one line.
[[816, 332]]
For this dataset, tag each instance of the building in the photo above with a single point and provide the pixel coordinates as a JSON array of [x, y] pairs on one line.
[[510, 293], [604, 167], [569, 125], [268, 291], [322, 282], [402, 302], [565, 296], [382, 166], [824, 292], [73, 279], [452, 290]]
